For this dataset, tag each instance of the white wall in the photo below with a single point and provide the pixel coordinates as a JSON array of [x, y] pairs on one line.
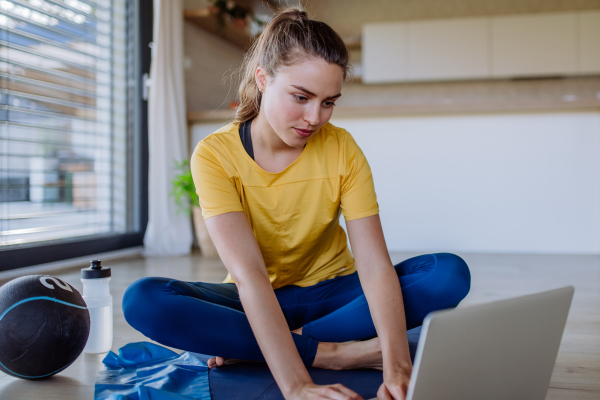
[[517, 183]]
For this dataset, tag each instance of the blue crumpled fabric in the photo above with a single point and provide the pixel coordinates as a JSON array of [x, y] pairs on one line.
[[147, 371]]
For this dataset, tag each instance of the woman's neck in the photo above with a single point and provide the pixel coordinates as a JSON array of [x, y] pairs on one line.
[[265, 138], [270, 152]]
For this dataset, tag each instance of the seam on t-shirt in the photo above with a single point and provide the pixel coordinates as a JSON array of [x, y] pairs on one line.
[[289, 183], [280, 229], [362, 215], [217, 133], [357, 169], [207, 146], [230, 177], [337, 274], [201, 144]]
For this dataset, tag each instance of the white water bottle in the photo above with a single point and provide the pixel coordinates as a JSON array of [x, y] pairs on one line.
[[96, 295]]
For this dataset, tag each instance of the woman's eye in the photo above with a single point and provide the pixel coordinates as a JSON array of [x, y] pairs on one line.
[[302, 99], [299, 98]]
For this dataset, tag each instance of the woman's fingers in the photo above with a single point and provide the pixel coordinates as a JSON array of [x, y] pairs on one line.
[[343, 393], [392, 392], [327, 392], [398, 392], [384, 394]]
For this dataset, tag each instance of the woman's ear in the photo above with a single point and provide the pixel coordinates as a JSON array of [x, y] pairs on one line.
[[260, 77]]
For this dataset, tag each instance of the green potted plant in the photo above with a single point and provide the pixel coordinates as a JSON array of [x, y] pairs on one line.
[[186, 200]]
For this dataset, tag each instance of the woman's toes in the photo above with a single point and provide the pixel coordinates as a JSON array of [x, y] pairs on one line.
[[220, 361], [215, 362], [211, 362]]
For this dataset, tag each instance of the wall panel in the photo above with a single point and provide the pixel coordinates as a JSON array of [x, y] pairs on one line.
[[384, 56], [589, 45], [449, 49], [535, 45]]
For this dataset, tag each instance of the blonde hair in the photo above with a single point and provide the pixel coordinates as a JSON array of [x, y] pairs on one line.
[[289, 38]]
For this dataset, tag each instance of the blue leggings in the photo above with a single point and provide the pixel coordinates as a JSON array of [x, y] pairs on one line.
[[208, 318]]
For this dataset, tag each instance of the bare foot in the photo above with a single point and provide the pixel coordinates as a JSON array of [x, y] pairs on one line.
[[354, 354], [371, 356], [220, 361], [349, 355]]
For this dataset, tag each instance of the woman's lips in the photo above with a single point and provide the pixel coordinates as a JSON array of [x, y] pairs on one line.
[[303, 133]]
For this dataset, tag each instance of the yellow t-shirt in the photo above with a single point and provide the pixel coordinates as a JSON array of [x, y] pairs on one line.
[[294, 213]]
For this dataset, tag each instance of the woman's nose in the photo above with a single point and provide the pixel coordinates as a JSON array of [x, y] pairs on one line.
[[312, 114]]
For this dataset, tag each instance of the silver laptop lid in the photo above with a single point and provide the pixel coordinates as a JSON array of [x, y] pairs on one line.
[[501, 350]]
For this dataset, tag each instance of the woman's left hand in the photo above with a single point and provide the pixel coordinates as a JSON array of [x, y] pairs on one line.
[[394, 386]]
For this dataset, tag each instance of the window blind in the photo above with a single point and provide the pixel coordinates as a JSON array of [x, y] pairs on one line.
[[67, 153]]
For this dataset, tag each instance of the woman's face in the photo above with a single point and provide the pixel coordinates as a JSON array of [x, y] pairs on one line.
[[300, 99]]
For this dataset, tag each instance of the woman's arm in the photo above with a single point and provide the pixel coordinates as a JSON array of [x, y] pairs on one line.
[[238, 248], [384, 296], [240, 253]]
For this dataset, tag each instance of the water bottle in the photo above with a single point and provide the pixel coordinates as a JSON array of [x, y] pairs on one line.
[[96, 295]]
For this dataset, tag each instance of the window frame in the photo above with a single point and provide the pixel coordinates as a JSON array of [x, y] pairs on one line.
[[45, 252]]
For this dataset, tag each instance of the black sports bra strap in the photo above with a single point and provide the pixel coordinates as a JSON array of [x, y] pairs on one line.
[[246, 138]]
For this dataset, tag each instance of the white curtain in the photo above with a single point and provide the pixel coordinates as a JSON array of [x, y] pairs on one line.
[[168, 233]]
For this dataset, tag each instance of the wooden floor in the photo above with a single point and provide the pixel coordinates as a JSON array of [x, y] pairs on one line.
[[576, 374]]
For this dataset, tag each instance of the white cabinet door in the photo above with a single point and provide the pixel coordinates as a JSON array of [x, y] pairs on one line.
[[449, 49], [535, 45], [384, 53], [480, 48], [589, 43]]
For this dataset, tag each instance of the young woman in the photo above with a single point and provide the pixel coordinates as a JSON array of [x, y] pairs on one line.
[[272, 186]]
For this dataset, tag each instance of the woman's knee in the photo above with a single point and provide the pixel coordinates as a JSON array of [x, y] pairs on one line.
[[140, 298], [457, 275]]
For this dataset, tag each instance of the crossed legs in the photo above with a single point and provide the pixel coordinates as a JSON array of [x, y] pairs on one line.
[[209, 318]]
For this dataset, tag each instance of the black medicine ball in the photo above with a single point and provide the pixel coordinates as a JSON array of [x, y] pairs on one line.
[[44, 326]]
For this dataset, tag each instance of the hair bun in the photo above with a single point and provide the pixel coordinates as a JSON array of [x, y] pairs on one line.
[[294, 14], [297, 14]]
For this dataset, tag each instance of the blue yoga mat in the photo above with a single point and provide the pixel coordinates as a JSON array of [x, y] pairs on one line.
[[147, 371]]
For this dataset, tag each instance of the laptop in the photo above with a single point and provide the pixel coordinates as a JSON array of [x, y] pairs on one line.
[[496, 351]]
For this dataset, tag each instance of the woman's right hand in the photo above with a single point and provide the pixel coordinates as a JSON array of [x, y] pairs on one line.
[[311, 391]]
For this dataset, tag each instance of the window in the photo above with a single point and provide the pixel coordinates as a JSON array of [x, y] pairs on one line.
[[71, 145]]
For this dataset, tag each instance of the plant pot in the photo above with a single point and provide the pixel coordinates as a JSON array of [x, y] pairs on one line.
[[207, 247]]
